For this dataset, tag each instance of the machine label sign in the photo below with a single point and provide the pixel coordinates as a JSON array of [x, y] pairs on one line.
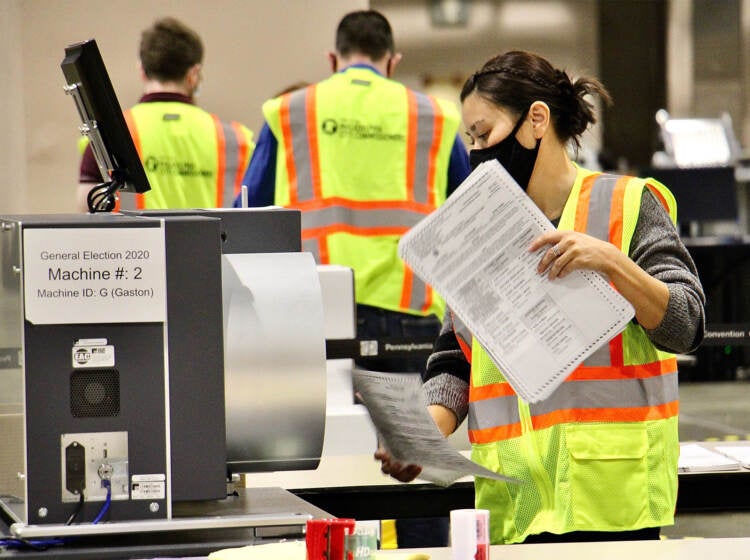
[[94, 275]]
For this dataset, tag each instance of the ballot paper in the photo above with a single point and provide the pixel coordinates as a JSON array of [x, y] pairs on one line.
[[474, 251], [405, 428]]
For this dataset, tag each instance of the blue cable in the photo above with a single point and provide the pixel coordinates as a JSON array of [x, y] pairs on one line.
[[35, 544], [108, 485]]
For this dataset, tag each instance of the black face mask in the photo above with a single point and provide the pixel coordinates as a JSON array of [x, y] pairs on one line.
[[517, 160]]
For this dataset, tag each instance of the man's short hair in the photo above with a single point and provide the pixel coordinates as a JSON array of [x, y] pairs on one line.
[[365, 32], [169, 49]]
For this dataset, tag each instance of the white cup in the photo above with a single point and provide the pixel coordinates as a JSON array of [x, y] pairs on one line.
[[470, 534]]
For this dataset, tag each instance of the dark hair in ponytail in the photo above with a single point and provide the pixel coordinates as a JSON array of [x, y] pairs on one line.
[[515, 79]]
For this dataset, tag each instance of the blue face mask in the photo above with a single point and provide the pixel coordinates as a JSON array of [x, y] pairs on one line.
[[517, 160]]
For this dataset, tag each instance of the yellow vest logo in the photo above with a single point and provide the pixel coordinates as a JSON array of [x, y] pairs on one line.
[[161, 166], [329, 126], [354, 129]]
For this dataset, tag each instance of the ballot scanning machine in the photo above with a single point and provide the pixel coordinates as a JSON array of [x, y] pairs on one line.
[[146, 358], [141, 364]]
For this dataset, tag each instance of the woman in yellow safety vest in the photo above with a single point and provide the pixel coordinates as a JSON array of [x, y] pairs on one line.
[[598, 458]]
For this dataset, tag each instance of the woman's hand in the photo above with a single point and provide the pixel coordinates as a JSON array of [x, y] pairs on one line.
[[446, 422], [397, 470], [571, 250]]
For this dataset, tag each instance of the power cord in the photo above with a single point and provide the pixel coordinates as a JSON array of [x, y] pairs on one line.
[[77, 511]]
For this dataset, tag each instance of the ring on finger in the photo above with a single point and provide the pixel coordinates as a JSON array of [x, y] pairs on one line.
[[556, 251]]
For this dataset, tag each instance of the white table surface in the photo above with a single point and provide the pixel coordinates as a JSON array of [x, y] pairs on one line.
[[677, 549]]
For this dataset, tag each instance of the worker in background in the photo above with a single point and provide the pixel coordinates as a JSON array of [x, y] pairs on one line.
[[597, 460], [364, 158], [192, 159]]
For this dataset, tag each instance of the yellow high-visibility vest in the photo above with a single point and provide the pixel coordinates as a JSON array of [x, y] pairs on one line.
[[365, 158], [600, 454], [191, 158]]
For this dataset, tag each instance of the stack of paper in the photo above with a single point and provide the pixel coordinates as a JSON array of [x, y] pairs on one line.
[[740, 453], [694, 457]]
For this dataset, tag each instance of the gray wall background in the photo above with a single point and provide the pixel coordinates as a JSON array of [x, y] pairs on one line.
[[256, 47]]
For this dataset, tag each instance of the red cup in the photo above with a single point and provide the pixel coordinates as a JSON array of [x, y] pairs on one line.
[[324, 538]]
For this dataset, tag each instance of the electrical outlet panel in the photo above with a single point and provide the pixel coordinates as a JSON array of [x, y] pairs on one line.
[[89, 458]]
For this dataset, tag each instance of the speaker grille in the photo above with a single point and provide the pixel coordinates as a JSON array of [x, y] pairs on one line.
[[95, 393]]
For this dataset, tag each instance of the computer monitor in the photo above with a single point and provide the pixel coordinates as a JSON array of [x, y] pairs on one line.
[[703, 194], [104, 124]]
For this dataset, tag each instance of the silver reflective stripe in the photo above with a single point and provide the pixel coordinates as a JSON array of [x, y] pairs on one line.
[[360, 218], [425, 138], [312, 246], [587, 394], [231, 155], [490, 413], [600, 357], [418, 297], [600, 204], [300, 144], [611, 393], [422, 164]]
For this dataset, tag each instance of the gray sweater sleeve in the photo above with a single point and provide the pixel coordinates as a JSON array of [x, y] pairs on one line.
[[657, 248], [446, 379]]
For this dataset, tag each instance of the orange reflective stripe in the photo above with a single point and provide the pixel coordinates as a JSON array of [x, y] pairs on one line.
[[591, 415], [463, 336], [140, 201], [323, 254], [465, 348], [221, 160], [428, 297], [582, 373], [312, 138], [659, 196], [641, 371], [635, 414], [242, 149], [310, 233], [437, 127], [616, 351], [133, 131], [406, 287], [498, 433], [615, 237], [286, 131], [411, 144], [309, 205], [582, 210], [616, 212], [490, 391]]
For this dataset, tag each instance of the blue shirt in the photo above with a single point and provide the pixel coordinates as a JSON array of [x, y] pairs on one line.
[[260, 177]]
